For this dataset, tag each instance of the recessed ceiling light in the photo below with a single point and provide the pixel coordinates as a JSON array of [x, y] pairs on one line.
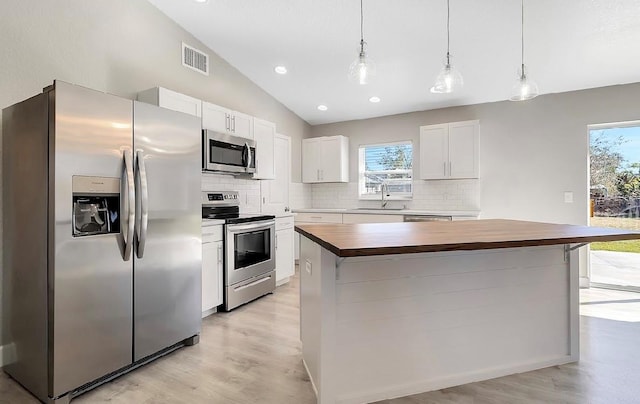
[[280, 70], [374, 99], [322, 107], [201, 1]]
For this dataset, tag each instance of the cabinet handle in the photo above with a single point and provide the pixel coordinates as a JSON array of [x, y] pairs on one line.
[[226, 122], [220, 253], [318, 174], [444, 168], [449, 168], [233, 124], [276, 241]]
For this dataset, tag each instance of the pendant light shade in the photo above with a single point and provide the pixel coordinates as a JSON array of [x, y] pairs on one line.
[[524, 88], [449, 79], [363, 68]]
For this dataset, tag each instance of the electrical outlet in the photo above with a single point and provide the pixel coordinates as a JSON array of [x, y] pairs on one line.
[[568, 197]]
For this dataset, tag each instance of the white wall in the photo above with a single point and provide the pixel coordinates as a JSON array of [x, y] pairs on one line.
[[122, 47], [530, 152]]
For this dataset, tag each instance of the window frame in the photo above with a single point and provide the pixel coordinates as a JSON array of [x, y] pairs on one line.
[[361, 172]]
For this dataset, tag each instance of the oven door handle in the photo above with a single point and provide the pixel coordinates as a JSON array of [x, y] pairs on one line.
[[239, 228]]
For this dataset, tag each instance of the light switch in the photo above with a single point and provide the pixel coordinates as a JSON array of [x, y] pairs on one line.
[[307, 267], [568, 197]]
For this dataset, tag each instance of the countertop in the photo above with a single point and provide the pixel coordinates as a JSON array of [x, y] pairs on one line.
[[455, 213], [212, 222], [355, 240]]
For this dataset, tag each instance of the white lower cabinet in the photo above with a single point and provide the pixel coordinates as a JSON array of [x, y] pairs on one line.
[[212, 267], [285, 266]]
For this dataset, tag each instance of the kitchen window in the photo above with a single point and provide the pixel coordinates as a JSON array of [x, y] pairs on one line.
[[387, 165]]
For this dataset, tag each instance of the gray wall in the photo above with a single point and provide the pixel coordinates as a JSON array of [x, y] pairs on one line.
[[121, 47], [531, 152]]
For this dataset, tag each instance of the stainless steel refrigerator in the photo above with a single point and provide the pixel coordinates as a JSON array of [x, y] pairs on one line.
[[101, 236]]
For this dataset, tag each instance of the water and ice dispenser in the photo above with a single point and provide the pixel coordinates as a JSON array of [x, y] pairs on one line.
[[96, 205]]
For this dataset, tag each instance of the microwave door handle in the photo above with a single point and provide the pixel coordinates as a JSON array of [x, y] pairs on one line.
[[143, 194], [130, 205], [249, 156]]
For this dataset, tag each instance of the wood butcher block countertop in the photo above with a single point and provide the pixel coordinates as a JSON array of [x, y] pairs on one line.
[[357, 240]]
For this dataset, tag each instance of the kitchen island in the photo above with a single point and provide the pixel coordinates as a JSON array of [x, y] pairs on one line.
[[394, 309]]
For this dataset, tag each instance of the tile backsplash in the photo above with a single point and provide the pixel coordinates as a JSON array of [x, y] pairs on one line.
[[249, 190], [427, 195]]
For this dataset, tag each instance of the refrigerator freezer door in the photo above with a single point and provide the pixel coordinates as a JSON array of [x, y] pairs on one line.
[[167, 291], [90, 307]]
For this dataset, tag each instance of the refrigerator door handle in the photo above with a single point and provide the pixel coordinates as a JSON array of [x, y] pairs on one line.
[[142, 219], [131, 204]]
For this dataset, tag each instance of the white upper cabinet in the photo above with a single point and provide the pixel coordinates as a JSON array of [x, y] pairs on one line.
[[165, 98], [450, 151], [325, 159], [224, 120], [275, 193], [264, 133]]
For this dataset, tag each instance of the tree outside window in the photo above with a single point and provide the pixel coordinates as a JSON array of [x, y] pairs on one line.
[[390, 164]]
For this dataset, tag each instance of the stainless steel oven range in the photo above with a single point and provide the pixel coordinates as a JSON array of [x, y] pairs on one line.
[[249, 248]]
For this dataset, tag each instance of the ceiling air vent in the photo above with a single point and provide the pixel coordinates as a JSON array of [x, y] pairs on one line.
[[195, 59]]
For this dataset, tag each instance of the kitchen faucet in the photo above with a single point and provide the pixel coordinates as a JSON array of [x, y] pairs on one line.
[[384, 191]]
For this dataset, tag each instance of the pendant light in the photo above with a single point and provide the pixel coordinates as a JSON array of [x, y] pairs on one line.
[[524, 88], [363, 67], [449, 79]]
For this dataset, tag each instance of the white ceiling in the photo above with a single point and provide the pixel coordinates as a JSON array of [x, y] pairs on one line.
[[569, 45]]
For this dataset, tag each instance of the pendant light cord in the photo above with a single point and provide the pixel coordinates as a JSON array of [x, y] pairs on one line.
[[448, 17], [361, 22], [522, 35]]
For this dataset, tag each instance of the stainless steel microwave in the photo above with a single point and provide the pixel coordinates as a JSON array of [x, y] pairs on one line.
[[225, 153]]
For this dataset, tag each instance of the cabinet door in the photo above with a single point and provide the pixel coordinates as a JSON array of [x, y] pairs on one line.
[[211, 275], [463, 149], [275, 193], [264, 133], [179, 102], [334, 166], [434, 159], [284, 254], [215, 117], [310, 160], [243, 125], [169, 99]]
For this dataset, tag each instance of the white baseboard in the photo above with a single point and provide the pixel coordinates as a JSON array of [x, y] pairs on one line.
[[313, 384], [283, 281], [438, 384], [7, 354]]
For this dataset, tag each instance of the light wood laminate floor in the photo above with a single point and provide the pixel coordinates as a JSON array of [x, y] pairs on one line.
[[252, 355]]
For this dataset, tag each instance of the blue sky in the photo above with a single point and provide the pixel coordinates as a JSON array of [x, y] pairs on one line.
[[630, 149]]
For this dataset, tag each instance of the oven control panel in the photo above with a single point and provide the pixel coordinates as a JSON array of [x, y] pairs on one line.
[[220, 198]]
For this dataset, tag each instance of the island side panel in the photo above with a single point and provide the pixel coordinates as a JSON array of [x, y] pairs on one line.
[[317, 317], [419, 322]]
